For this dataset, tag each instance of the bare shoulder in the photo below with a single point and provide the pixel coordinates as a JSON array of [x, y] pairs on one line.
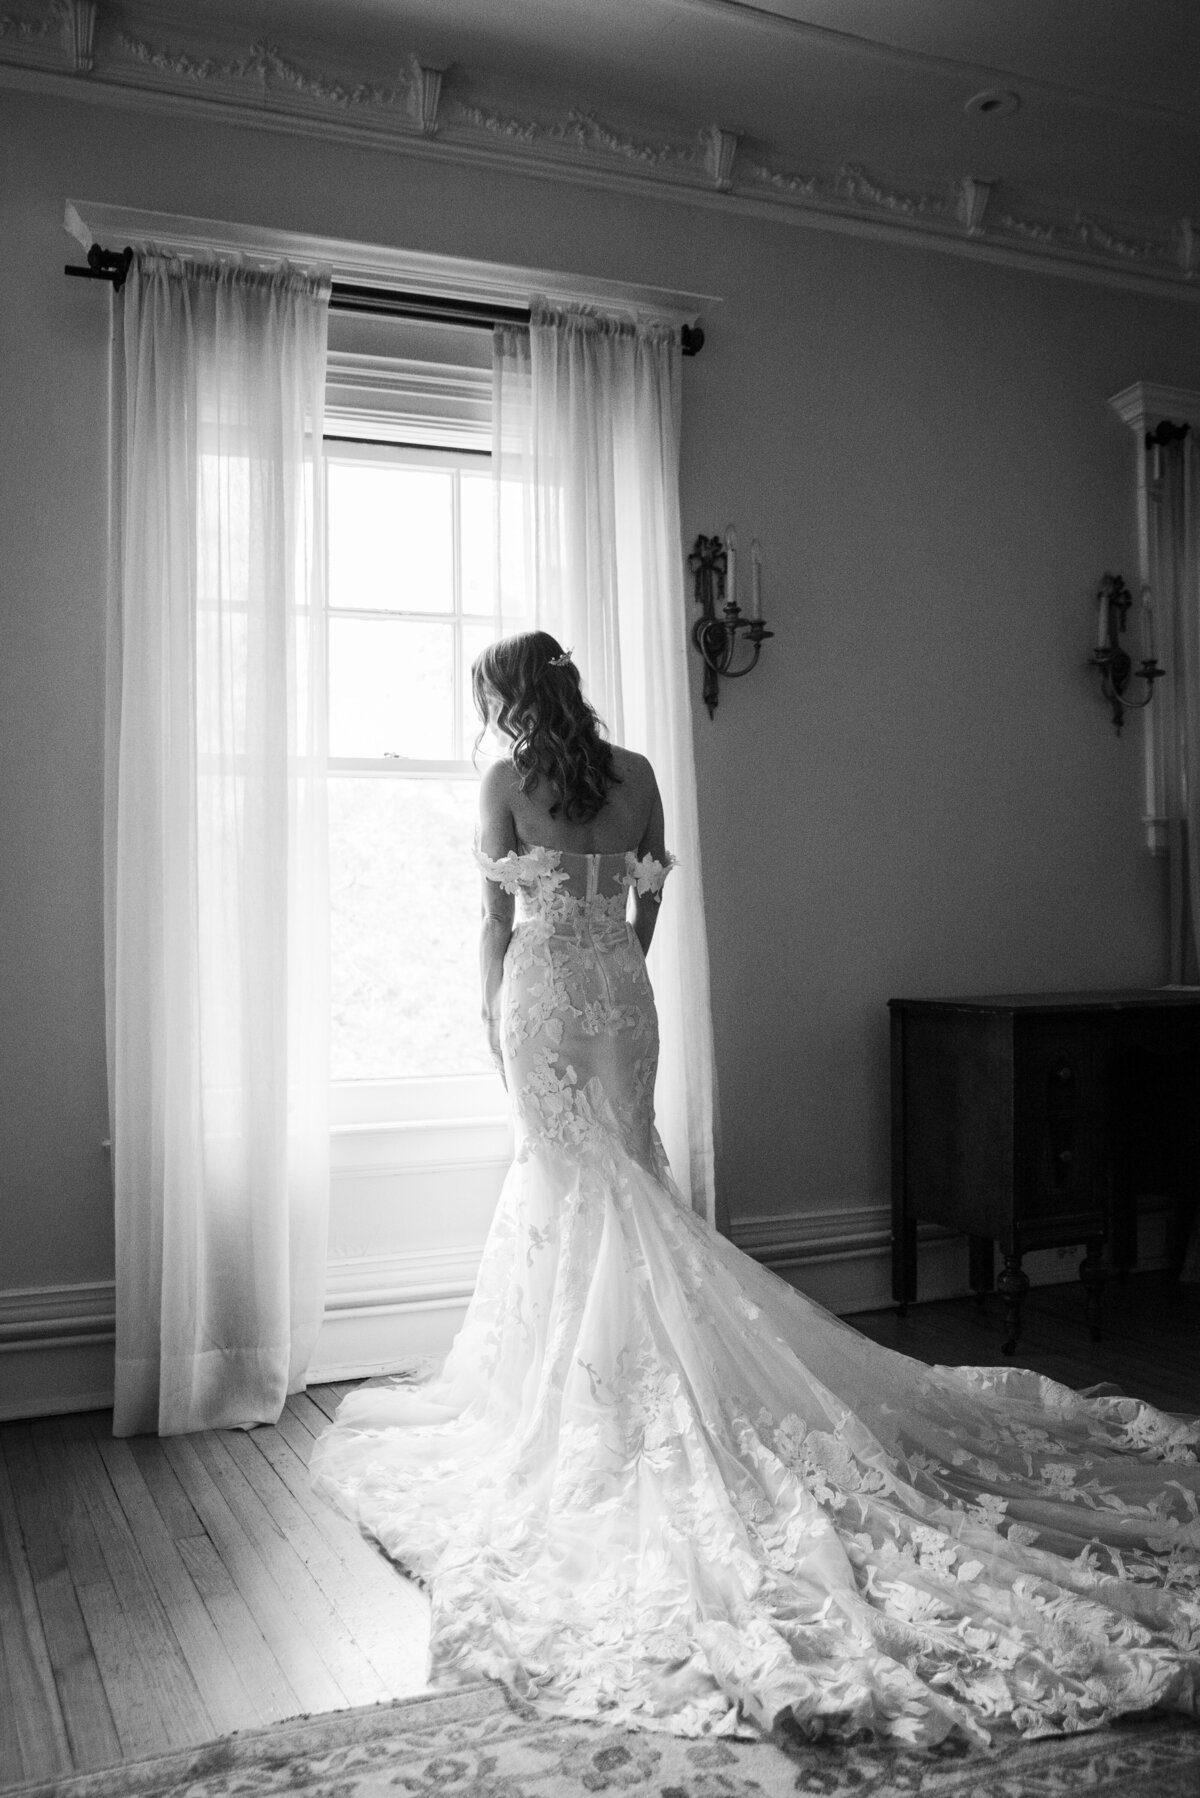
[[634, 770], [498, 783], [497, 827]]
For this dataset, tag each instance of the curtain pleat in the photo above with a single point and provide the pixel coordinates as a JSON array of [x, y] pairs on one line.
[[215, 841], [586, 456], [1175, 583]]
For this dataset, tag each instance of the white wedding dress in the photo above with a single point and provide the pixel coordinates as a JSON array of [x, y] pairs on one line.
[[654, 1484]]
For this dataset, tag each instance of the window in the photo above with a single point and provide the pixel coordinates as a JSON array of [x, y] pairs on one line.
[[411, 604]]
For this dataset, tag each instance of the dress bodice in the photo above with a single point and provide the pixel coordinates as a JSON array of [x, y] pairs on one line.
[[578, 1027], [567, 891]]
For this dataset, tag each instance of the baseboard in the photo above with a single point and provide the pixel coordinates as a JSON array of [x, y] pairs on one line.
[[56, 1349], [382, 1311], [843, 1257], [56, 1316], [385, 1311]]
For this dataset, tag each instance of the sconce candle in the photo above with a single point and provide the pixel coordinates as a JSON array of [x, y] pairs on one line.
[[1113, 664], [715, 635]]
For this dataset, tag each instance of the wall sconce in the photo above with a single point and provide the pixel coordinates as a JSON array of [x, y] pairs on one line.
[[714, 569], [1113, 600]]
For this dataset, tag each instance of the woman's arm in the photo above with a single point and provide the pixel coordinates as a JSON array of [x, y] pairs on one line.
[[653, 842], [497, 838]]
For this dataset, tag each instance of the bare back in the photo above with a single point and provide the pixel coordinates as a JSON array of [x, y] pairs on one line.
[[631, 817]]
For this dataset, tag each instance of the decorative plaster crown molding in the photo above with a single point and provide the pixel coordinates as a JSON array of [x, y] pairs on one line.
[[34, 28], [446, 113], [266, 70]]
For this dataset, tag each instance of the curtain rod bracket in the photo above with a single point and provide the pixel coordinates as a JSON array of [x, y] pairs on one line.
[[104, 265]]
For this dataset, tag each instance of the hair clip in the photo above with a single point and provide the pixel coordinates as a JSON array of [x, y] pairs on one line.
[[559, 661]]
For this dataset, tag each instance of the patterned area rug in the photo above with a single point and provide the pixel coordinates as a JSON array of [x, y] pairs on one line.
[[481, 1743]]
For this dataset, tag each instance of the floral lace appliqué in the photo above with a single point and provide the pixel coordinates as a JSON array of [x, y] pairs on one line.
[[655, 1484]]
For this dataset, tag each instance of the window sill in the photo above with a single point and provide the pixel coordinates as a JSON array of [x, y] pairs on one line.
[[409, 1145]]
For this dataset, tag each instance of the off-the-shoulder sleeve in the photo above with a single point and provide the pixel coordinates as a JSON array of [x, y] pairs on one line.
[[506, 872], [648, 874]]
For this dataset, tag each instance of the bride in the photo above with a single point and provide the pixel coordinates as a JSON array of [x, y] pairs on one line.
[[653, 1483]]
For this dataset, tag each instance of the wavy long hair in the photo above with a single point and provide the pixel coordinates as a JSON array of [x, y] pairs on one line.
[[538, 701]]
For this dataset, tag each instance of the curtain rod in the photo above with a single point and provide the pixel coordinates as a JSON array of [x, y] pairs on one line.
[[346, 296]]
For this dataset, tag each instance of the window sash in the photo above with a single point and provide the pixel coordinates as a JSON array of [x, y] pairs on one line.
[[417, 1101], [374, 453]]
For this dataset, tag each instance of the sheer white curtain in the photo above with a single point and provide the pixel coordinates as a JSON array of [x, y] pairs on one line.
[[1175, 566], [215, 841], [586, 453], [1175, 554]]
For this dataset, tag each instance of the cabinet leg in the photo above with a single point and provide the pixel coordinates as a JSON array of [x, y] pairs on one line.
[[1012, 1284], [1092, 1272]]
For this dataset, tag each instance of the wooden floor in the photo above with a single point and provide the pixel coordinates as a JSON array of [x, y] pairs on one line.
[[155, 1594], [1149, 1347]]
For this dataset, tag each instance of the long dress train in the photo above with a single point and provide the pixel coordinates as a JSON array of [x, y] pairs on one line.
[[655, 1484]]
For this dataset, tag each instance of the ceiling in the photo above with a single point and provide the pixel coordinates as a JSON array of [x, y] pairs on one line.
[[841, 109], [1109, 89]]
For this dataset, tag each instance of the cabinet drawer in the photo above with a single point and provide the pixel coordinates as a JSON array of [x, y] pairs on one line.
[[1056, 1167], [1056, 1156], [1055, 1068]]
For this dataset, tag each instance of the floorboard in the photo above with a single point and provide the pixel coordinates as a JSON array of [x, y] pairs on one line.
[[90, 1728], [327, 1398], [378, 1634], [216, 1678], [314, 1418], [126, 1674], [355, 1679], [32, 1715], [259, 1580], [269, 1697], [163, 1592]]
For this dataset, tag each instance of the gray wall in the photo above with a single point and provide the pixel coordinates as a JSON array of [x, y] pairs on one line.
[[918, 791]]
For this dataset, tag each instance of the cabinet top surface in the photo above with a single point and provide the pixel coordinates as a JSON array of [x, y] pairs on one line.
[[1121, 999]]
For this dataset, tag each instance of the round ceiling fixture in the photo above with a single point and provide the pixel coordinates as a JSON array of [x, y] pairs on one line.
[[994, 103]]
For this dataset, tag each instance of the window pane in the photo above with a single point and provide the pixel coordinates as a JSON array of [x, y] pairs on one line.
[[390, 688], [516, 544], [391, 543], [474, 638], [478, 544], [405, 928]]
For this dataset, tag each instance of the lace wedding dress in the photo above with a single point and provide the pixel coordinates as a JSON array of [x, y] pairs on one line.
[[654, 1484]]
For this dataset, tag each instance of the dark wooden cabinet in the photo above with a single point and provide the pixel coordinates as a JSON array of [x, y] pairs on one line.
[[1032, 1121]]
